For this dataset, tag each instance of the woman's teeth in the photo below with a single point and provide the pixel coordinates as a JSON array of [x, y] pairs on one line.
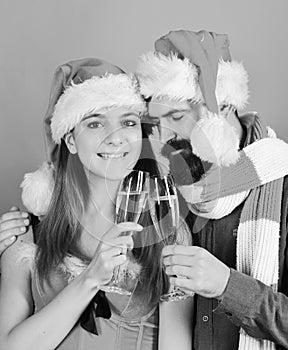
[[112, 155]]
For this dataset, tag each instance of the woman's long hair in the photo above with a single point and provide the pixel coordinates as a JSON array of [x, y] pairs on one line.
[[59, 232]]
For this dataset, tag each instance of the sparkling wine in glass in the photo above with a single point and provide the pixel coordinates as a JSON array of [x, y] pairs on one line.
[[164, 209], [130, 203]]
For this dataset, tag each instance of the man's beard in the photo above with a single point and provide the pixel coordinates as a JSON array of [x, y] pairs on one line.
[[185, 167]]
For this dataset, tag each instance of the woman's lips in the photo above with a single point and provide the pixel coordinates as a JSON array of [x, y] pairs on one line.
[[112, 155]]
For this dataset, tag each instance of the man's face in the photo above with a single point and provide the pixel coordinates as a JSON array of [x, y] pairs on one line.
[[176, 121]]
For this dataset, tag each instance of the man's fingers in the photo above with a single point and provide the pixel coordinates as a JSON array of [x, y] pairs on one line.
[[182, 260], [13, 223], [178, 270], [11, 215], [14, 209], [180, 250], [6, 243], [184, 284], [16, 231]]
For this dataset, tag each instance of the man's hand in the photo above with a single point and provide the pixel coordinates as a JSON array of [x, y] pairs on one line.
[[203, 273], [12, 224]]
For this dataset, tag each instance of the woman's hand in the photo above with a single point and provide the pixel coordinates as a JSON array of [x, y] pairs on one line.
[[111, 252], [12, 224]]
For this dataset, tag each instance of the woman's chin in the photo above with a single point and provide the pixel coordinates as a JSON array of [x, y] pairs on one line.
[[114, 170], [116, 173]]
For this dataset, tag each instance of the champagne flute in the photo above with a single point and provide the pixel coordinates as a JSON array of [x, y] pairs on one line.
[[130, 203], [164, 209]]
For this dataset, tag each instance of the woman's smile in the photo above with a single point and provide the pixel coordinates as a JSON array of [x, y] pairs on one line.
[[107, 156]]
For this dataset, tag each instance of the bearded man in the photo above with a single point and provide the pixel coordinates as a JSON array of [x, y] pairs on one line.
[[232, 172]]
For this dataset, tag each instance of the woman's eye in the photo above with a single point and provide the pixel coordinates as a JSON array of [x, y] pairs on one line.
[[177, 117], [94, 125], [129, 123]]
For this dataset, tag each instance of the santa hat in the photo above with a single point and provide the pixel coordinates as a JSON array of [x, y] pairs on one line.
[[79, 88], [198, 67]]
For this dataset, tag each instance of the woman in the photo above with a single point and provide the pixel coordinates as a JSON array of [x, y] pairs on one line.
[[95, 122]]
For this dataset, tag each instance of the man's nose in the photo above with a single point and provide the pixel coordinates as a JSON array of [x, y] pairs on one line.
[[166, 131]]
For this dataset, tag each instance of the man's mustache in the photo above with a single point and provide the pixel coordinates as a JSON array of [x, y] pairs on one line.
[[185, 166], [176, 145]]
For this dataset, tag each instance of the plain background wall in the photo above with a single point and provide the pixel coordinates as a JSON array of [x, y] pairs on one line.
[[36, 36]]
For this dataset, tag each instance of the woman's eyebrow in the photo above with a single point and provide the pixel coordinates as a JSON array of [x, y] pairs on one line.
[[92, 116]]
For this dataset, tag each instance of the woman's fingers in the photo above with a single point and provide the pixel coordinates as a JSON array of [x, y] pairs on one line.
[[100, 270], [123, 241], [111, 252], [116, 230], [117, 237]]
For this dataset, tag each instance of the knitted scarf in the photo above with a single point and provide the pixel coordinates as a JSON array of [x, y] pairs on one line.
[[257, 178]]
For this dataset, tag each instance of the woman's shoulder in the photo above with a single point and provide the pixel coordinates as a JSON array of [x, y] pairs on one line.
[[20, 254]]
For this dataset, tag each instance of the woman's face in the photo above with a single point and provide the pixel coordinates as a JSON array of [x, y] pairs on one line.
[[107, 144]]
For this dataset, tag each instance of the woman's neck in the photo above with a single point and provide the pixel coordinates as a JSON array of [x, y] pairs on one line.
[[100, 214], [103, 195]]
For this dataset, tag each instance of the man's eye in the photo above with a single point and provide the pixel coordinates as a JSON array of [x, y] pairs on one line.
[[129, 123], [94, 125], [177, 117]]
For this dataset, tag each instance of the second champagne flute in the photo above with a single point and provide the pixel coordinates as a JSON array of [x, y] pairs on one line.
[[164, 209]]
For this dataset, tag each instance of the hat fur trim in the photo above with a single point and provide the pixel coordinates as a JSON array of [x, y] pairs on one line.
[[37, 188], [172, 77], [97, 94]]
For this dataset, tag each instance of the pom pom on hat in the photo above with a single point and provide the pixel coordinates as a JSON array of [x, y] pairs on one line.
[[37, 188], [214, 140]]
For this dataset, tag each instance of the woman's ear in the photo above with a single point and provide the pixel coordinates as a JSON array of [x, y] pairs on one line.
[[70, 143]]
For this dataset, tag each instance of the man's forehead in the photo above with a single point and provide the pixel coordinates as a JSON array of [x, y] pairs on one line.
[[158, 108]]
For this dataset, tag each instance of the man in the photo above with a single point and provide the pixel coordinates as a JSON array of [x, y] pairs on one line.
[[235, 186]]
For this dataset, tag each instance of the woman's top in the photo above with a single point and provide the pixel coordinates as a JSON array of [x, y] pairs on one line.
[[132, 326]]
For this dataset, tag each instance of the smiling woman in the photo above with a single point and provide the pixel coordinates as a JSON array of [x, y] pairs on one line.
[[107, 144], [96, 136]]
